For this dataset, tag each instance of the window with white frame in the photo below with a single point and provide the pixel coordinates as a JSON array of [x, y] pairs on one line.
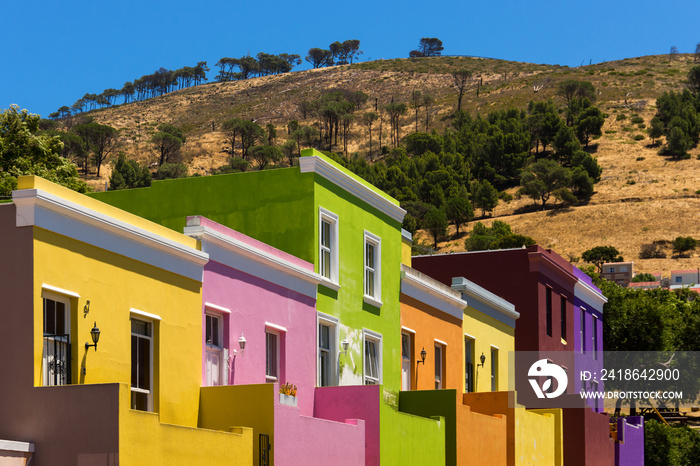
[[327, 358], [468, 364], [215, 366], [679, 279], [373, 267], [328, 245], [494, 369], [582, 329], [56, 356], [610, 269], [439, 366], [141, 365], [272, 356], [373, 370], [406, 359], [595, 337]]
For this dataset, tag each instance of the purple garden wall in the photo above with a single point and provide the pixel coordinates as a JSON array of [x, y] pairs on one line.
[[629, 448]]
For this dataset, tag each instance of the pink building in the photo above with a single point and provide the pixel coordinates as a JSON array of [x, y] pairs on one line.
[[259, 323]]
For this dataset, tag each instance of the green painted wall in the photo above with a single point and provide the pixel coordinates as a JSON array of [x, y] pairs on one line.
[[409, 439], [432, 403], [273, 206]]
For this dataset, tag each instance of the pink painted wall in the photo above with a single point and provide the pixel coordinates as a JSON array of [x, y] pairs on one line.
[[253, 302], [353, 402], [308, 440]]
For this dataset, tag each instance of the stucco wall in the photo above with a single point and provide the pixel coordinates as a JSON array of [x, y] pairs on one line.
[[629, 448], [431, 324], [533, 437], [587, 438]]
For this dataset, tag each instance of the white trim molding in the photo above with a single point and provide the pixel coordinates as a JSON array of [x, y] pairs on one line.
[[279, 328], [145, 314], [60, 291], [216, 308], [589, 295], [431, 292], [322, 167], [50, 212], [486, 302], [252, 260], [443, 343]]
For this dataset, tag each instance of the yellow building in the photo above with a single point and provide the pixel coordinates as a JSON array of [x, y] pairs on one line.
[[76, 268]]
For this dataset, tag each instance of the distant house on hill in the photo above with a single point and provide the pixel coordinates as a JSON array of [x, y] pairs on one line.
[[685, 277], [618, 272]]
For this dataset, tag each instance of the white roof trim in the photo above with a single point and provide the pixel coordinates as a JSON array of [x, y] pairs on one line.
[[214, 307], [204, 233], [45, 210], [11, 445], [437, 295], [316, 164], [55, 289], [588, 294], [275, 327], [145, 314], [499, 304]]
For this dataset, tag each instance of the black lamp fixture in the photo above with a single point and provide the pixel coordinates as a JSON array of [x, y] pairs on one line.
[[422, 356], [482, 358], [95, 335]]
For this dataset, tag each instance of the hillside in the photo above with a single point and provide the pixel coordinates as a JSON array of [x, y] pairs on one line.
[[642, 197]]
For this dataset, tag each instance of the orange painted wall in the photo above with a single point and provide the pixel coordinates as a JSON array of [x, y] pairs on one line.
[[431, 324], [481, 438]]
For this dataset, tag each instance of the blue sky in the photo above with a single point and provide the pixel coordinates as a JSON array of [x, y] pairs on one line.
[[55, 52]]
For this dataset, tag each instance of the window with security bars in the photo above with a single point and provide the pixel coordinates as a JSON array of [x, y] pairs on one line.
[[56, 359]]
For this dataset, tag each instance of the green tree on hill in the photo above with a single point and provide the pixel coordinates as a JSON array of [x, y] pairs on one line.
[[600, 255], [24, 151]]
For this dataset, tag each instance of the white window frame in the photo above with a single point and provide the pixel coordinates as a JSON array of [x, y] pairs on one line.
[[329, 217], [406, 362], [369, 336], [140, 318], [220, 349], [64, 298], [582, 329], [332, 323], [269, 332], [374, 299], [595, 337], [439, 374], [494, 368]]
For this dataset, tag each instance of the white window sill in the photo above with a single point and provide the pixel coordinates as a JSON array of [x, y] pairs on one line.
[[371, 301], [329, 284]]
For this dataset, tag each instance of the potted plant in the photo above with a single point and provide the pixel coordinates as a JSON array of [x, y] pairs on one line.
[[288, 394]]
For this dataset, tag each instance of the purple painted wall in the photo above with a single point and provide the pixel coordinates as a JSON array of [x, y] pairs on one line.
[[254, 304], [353, 402], [629, 448], [588, 358]]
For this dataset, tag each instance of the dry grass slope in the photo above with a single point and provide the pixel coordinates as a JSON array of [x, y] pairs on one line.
[[642, 196]]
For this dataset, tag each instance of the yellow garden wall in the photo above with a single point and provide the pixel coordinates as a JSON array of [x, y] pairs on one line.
[[145, 440]]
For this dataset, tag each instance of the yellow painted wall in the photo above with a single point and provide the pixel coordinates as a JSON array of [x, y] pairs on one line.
[[114, 284], [557, 415], [145, 440], [487, 331], [406, 251], [249, 405]]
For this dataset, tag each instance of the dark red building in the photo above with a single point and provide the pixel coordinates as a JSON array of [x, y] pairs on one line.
[[540, 283]]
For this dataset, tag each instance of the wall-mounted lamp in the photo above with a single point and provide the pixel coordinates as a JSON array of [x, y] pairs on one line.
[[345, 344], [482, 358], [95, 335], [86, 308], [423, 354], [241, 343]]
